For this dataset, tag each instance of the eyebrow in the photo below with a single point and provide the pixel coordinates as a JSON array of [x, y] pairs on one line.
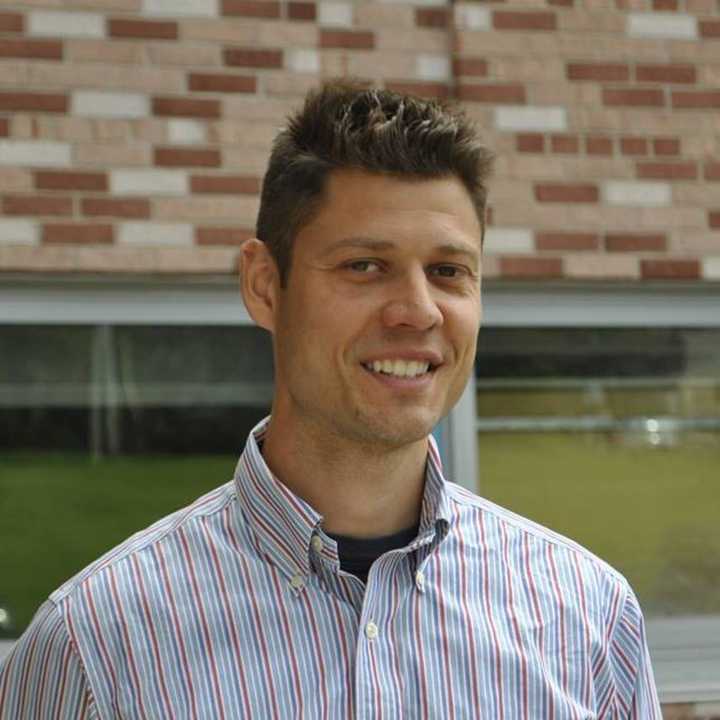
[[367, 243]]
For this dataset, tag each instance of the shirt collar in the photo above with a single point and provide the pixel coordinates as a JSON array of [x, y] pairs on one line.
[[284, 524]]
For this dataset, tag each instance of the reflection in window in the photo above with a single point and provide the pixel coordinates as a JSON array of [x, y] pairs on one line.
[[611, 436], [103, 430]]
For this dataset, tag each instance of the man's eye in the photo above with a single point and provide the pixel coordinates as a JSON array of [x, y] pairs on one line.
[[446, 271], [363, 266]]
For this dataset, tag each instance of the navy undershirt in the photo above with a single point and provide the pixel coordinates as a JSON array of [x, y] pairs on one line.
[[358, 554]]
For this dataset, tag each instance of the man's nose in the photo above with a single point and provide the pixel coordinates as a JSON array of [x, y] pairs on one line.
[[412, 303]]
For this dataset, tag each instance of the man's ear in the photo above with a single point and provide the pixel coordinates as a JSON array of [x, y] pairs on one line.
[[259, 282]]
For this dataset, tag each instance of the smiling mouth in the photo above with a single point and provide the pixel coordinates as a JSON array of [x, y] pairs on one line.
[[400, 368]]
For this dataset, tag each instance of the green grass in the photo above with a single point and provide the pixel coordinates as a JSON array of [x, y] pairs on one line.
[[651, 512], [60, 512]]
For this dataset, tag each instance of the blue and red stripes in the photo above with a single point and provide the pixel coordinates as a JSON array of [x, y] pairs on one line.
[[230, 609]]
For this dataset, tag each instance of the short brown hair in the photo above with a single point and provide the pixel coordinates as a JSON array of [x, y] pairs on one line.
[[344, 125]]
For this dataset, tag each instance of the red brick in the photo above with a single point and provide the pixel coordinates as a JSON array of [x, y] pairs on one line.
[[116, 207], [710, 28], [227, 184], [635, 242], [566, 193], [666, 73], [505, 94], [530, 142], [697, 99], [566, 241], [633, 97], [4, 127], [37, 205], [146, 29], [712, 170], [185, 107], [598, 145], [33, 102], [222, 235], [244, 57], [187, 157], [431, 17], [714, 219], [529, 20], [565, 143], [421, 89], [41, 49], [77, 233], [11, 22], [561, 3], [527, 267], [251, 8], [633, 146], [666, 146], [301, 10], [660, 5], [350, 39], [61, 180], [207, 82], [670, 269], [667, 171], [476, 67], [607, 72]]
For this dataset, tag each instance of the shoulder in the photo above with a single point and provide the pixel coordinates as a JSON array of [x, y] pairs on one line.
[[538, 553], [166, 531]]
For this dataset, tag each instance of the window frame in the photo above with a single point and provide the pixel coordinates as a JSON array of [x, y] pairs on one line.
[[685, 650]]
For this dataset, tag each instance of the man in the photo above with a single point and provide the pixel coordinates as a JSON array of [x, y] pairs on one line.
[[339, 575]]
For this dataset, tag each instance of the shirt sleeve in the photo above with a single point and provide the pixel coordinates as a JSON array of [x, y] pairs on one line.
[[636, 692], [43, 677]]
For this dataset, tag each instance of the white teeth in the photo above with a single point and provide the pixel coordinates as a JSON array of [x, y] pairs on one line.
[[399, 368]]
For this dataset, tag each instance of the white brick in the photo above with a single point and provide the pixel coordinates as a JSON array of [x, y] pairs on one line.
[[154, 182], [662, 25], [13, 232], [530, 118], [637, 194], [432, 67], [711, 268], [335, 13], [19, 152], [502, 240], [110, 105], [149, 233], [66, 24], [471, 17], [196, 8], [186, 132], [303, 61]]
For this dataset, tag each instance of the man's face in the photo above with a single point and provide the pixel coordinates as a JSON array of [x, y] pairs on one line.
[[376, 329]]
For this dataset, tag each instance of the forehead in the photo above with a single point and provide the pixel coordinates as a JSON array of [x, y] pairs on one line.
[[392, 208]]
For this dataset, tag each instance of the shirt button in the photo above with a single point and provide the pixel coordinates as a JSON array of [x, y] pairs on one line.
[[297, 582], [317, 543], [419, 580], [371, 631]]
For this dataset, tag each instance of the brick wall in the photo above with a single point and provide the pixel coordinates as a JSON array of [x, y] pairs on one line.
[[134, 133]]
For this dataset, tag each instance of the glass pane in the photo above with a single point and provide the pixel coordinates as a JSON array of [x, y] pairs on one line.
[[611, 437], [103, 430]]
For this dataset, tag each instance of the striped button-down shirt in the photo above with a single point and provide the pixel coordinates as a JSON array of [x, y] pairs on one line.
[[236, 607]]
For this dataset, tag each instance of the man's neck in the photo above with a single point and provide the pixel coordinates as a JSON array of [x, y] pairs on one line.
[[360, 491]]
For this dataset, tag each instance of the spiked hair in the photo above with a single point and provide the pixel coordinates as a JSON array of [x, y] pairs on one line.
[[343, 125]]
